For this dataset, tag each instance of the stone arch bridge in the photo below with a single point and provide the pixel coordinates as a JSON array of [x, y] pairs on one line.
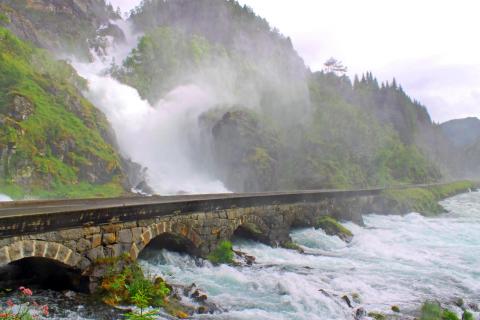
[[76, 233]]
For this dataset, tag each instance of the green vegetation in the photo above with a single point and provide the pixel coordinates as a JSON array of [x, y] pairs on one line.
[[467, 316], [163, 58], [333, 228], [292, 246], [433, 311], [377, 316], [423, 200], [69, 27], [339, 133], [222, 254], [125, 283], [395, 309], [53, 142]]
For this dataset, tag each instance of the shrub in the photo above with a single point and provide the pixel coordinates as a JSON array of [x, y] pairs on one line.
[[222, 254]]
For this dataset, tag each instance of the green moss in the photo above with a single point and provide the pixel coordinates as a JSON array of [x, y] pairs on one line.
[[222, 254], [423, 200], [63, 137], [395, 309], [292, 246], [467, 316], [431, 311], [377, 315], [333, 228], [449, 315]]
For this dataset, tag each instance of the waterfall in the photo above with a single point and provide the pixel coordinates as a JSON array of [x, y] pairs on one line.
[[164, 137]]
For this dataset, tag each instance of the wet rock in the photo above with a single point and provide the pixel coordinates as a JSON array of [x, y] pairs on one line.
[[356, 298], [21, 108], [198, 296], [333, 228], [202, 310], [459, 302], [292, 246], [474, 307], [245, 258], [347, 301], [360, 313]]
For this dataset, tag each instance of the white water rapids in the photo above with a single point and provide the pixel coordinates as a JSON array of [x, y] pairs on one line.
[[394, 260]]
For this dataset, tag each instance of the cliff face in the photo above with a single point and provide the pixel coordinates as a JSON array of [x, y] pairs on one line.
[[66, 26], [53, 142]]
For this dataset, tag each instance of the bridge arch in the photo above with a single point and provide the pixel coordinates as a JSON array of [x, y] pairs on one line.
[[48, 264], [168, 234], [251, 227], [39, 249]]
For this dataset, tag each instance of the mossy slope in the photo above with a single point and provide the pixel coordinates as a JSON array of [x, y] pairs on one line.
[[53, 142], [421, 200]]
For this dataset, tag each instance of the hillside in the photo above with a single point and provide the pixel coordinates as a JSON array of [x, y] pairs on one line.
[[270, 123], [64, 27], [462, 132], [282, 126], [465, 135], [53, 142]]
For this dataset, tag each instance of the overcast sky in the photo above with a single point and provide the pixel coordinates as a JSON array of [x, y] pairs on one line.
[[431, 47]]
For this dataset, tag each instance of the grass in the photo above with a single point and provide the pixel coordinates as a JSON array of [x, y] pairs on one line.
[[222, 254], [423, 200], [62, 140]]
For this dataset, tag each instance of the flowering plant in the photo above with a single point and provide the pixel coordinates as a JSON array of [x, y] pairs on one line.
[[28, 309]]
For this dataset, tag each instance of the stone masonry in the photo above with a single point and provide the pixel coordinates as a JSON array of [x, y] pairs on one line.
[[79, 248]]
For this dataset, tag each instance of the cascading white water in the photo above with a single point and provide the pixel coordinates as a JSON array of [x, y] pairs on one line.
[[165, 137], [4, 198]]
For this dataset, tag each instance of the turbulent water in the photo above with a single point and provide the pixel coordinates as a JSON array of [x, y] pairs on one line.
[[165, 137], [393, 260]]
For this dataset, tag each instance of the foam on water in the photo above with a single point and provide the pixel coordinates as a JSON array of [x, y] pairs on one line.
[[4, 198], [394, 260]]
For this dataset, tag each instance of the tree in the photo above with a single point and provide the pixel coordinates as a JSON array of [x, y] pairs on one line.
[[332, 65]]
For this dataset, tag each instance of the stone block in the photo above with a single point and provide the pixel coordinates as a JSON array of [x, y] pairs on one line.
[[111, 228], [16, 251], [96, 240], [83, 245], [71, 234], [136, 234], [95, 253], [125, 236], [91, 230], [4, 256], [28, 248], [108, 238]]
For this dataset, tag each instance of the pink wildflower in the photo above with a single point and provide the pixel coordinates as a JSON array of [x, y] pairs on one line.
[[45, 310], [10, 303], [26, 291]]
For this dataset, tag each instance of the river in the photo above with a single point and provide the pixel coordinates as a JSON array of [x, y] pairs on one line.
[[393, 260]]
